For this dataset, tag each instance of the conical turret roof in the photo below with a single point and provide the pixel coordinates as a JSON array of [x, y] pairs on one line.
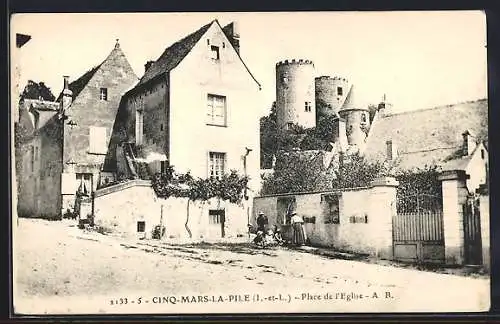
[[351, 102]]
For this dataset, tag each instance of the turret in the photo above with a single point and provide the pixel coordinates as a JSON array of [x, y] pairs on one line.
[[295, 96], [331, 93], [357, 119]]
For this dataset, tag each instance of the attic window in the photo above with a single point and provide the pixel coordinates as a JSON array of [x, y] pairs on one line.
[[208, 41], [482, 154], [339, 91], [104, 94], [214, 52], [223, 45]]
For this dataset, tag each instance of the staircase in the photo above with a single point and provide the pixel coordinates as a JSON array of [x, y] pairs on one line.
[[138, 170]]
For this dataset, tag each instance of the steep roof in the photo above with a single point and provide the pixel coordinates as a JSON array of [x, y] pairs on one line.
[[173, 55], [351, 101], [430, 136], [79, 84]]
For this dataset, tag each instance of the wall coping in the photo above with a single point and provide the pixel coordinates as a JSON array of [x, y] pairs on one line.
[[122, 186], [337, 191], [453, 175], [385, 182]]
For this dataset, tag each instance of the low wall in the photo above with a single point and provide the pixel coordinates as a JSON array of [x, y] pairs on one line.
[[120, 207], [362, 223]]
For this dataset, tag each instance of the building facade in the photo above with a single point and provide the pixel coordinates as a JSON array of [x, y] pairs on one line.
[[66, 149]]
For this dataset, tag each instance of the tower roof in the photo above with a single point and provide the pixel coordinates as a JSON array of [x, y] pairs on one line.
[[351, 102]]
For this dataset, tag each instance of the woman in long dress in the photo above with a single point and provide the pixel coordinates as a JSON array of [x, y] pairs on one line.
[[298, 231]]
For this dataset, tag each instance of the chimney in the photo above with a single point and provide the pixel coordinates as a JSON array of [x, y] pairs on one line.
[[391, 150], [148, 65], [233, 34], [67, 94], [384, 108], [469, 143]]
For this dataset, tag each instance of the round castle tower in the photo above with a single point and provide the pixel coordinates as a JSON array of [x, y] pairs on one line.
[[332, 91], [357, 119], [295, 95]]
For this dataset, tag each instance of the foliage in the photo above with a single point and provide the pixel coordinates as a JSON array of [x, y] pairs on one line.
[[34, 90], [298, 172], [301, 172], [356, 171], [230, 187], [419, 181]]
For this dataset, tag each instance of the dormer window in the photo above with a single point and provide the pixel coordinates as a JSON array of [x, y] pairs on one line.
[[214, 52], [103, 94]]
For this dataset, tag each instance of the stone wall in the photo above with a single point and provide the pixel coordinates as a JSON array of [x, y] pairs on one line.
[[365, 222], [119, 208]]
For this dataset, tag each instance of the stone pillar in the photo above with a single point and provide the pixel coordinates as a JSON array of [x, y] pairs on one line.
[[68, 188], [454, 196], [484, 212], [382, 209]]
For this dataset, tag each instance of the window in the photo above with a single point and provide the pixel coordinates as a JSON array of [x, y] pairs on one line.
[[339, 91], [36, 153], [84, 183], [161, 127], [208, 41], [482, 154], [284, 78], [141, 226], [216, 216], [223, 45], [97, 140], [214, 52], [308, 106], [363, 118], [289, 126], [104, 94], [216, 110], [139, 126], [216, 164]]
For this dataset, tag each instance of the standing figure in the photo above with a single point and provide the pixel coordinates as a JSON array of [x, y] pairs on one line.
[[298, 231], [262, 222]]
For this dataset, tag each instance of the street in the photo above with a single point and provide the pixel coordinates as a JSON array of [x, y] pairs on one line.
[[59, 268]]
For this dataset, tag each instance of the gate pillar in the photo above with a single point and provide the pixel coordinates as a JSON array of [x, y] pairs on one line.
[[454, 197], [484, 206], [382, 209]]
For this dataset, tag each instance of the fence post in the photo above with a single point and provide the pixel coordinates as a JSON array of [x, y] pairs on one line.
[[454, 196], [382, 209]]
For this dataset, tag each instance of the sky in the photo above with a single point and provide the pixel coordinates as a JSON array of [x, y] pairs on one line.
[[418, 59]]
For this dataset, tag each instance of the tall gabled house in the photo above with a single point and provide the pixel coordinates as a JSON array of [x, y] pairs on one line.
[[70, 146], [196, 108]]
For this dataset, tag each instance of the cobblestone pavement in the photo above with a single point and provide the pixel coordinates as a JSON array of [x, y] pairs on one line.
[[59, 268]]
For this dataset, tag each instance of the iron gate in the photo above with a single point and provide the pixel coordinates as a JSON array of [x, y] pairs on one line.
[[472, 232]]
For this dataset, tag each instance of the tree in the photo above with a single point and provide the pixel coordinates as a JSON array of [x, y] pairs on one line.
[[297, 172], [34, 90]]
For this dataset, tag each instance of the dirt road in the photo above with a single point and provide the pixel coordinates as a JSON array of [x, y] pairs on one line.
[[60, 269]]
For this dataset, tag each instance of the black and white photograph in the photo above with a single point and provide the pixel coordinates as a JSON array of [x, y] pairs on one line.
[[250, 162]]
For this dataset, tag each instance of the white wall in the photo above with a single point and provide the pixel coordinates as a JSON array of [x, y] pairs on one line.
[[191, 138]]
